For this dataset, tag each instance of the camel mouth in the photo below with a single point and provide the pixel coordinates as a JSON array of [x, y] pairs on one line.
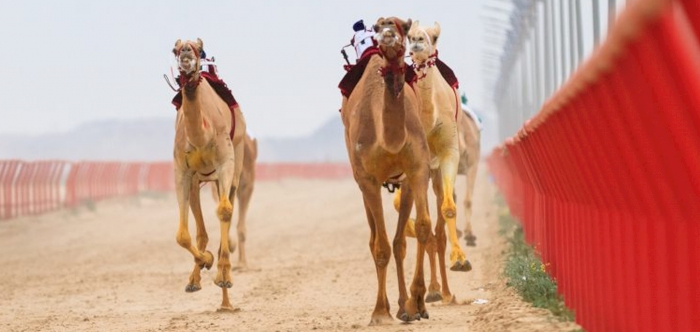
[[187, 65], [417, 47], [388, 37]]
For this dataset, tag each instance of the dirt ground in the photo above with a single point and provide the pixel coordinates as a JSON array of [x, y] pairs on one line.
[[116, 267]]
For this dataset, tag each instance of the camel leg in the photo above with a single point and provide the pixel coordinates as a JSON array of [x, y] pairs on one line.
[[379, 246], [471, 181], [410, 229], [243, 202], [448, 209], [202, 239], [415, 305], [227, 185], [183, 184], [405, 206], [441, 241]]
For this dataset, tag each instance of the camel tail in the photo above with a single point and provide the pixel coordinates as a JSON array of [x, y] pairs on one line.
[[255, 148]]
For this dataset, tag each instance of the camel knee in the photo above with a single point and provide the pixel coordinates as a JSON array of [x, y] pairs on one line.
[[399, 244], [422, 230], [382, 255], [468, 203], [225, 210], [183, 239], [448, 209]]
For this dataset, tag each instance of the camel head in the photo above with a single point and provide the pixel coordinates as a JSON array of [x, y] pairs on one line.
[[187, 54], [422, 41], [391, 33]]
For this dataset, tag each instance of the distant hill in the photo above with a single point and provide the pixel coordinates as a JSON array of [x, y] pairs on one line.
[[124, 140], [327, 143], [152, 139]]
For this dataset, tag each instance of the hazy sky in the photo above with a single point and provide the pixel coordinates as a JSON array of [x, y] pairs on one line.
[[70, 62]]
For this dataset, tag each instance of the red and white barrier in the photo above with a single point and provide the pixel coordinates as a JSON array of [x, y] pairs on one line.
[[28, 188], [606, 177]]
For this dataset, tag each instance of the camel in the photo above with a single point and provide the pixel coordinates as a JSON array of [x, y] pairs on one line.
[[469, 153], [385, 140], [245, 192], [205, 149], [439, 117]]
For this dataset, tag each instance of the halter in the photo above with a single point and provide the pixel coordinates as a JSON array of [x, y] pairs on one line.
[[394, 66], [423, 67], [184, 80]]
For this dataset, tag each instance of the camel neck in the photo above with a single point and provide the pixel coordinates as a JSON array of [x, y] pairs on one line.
[[394, 111], [197, 126]]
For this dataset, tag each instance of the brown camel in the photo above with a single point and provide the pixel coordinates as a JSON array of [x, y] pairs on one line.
[[469, 154], [245, 192], [204, 151], [384, 139]]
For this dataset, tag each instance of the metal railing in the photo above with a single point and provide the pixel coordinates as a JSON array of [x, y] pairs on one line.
[[533, 46]]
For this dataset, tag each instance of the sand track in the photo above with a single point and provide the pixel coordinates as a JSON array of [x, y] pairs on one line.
[[117, 267]]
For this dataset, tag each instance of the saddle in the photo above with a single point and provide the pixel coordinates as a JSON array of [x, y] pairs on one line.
[[221, 89], [354, 74]]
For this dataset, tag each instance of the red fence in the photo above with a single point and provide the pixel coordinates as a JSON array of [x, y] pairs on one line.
[[28, 188], [606, 177]]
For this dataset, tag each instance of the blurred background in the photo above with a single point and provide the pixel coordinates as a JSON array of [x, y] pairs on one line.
[[83, 79]]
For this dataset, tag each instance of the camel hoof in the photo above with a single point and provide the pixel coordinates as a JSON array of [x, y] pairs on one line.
[[240, 268], [381, 320], [471, 240], [208, 260], [224, 284], [191, 288], [461, 267], [433, 296], [424, 315], [404, 317], [417, 316], [228, 309]]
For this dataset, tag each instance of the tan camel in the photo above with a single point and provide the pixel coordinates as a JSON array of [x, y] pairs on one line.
[[384, 140], [439, 116], [469, 154], [245, 192], [203, 152]]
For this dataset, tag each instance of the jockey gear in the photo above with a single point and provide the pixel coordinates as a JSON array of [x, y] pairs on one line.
[[363, 38]]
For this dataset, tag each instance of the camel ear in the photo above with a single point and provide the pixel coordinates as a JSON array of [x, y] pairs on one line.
[[414, 26], [376, 25], [406, 26], [435, 32], [200, 44], [178, 43]]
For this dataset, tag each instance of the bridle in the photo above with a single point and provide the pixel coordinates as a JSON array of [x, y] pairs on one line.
[[185, 79], [395, 67], [422, 68]]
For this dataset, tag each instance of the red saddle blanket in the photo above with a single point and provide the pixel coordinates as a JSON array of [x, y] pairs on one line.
[[447, 73], [353, 76], [221, 89]]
